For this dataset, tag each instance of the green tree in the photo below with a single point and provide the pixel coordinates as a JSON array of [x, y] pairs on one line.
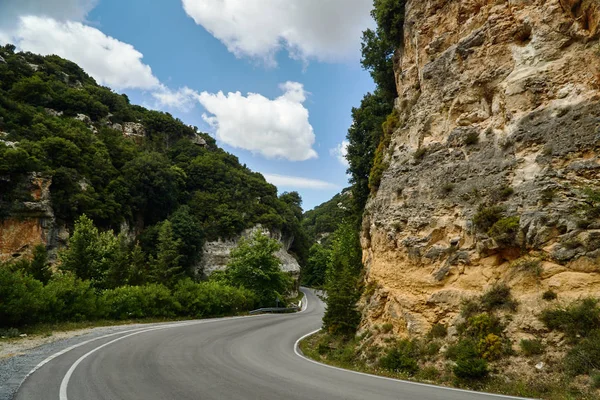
[[364, 137], [254, 266], [90, 254], [39, 267], [166, 267], [343, 284], [314, 273], [188, 230]]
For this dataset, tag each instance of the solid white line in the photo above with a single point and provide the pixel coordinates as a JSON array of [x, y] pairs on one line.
[[65, 382], [299, 354]]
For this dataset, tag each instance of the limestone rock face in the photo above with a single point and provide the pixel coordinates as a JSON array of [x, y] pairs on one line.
[[216, 254], [505, 98], [32, 224]]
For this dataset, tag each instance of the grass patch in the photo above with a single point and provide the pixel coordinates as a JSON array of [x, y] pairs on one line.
[[531, 347]]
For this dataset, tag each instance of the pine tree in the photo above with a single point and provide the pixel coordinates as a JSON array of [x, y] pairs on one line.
[[166, 267], [343, 284]]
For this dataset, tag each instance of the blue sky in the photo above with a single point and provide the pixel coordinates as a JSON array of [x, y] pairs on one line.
[[177, 56]]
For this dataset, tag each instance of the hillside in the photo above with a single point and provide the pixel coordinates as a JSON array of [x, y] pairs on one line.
[[70, 147]]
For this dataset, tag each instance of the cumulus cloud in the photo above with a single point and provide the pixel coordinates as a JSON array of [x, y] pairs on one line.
[[183, 99], [309, 29], [61, 10], [340, 152], [277, 128], [110, 61], [295, 182]]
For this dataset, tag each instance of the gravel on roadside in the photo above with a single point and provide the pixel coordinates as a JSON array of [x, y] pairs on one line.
[[19, 358]]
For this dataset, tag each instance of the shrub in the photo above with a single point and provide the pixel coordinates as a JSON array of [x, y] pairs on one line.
[[429, 373], [486, 217], [438, 331], [584, 357], [531, 347], [472, 138], [595, 379], [420, 153], [469, 364], [471, 368], [549, 295], [448, 188], [387, 327], [464, 348], [482, 325], [138, 302], [211, 299], [504, 231], [69, 299], [497, 297], [529, 265], [579, 319], [21, 298], [401, 358]]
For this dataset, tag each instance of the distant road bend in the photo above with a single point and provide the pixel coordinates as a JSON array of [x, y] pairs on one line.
[[225, 359]]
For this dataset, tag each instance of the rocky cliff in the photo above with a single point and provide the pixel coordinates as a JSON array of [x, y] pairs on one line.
[[493, 171], [215, 255]]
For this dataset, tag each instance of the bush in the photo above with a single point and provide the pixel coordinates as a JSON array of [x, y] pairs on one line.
[[420, 153], [584, 357], [387, 327], [504, 231], [401, 358], [130, 302], [531, 347], [21, 298], [471, 368], [486, 217], [464, 348], [438, 331], [472, 138], [549, 295], [469, 364], [579, 319], [498, 297], [69, 299], [529, 265], [211, 299]]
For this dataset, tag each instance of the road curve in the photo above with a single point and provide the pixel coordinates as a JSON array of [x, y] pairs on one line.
[[225, 359]]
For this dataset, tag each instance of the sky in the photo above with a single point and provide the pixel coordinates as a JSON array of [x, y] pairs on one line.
[[274, 81]]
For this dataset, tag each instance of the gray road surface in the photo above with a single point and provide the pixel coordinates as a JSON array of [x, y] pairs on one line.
[[228, 359]]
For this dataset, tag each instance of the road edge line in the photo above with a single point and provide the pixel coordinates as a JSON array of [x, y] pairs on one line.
[[301, 355]]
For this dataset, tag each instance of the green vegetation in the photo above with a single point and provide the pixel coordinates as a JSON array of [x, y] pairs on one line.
[[549, 295], [343, 282], [115, 180], [531, 347], [253, 266], [401, 358], [580, 322], [438, 331]]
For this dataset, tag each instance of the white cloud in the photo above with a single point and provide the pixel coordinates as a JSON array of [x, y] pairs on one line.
[[61, 10], [276, 128], [309, 29], [295, 182], [110, 61], [183, 99], [340, 152]]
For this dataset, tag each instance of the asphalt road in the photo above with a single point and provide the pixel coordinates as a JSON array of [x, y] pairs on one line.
[[227, 359]]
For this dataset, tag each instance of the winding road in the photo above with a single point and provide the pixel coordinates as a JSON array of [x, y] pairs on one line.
[[227, 359]]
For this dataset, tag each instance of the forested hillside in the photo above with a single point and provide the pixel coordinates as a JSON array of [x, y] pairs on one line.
[[132, 196], [169, 171]]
